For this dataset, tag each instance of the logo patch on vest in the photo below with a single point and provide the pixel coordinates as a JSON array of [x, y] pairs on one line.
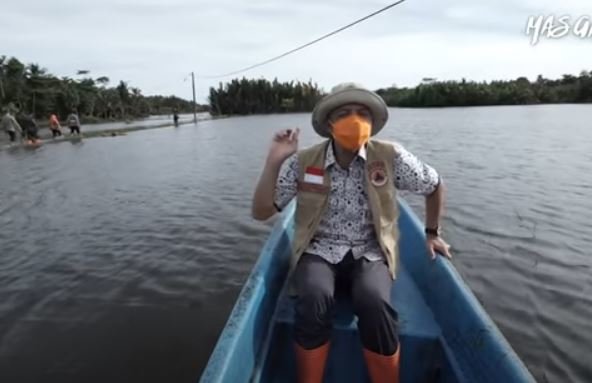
[[378, 175]]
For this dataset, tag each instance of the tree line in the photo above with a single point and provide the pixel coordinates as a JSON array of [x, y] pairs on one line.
[[432, 93], [29, 88], [249, 96]]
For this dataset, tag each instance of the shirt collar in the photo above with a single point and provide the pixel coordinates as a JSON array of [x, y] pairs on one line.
[[330, 155]]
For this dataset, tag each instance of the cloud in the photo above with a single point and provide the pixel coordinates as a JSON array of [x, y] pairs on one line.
[[155, 44]]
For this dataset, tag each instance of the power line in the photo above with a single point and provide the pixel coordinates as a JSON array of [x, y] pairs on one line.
[[307, 44]]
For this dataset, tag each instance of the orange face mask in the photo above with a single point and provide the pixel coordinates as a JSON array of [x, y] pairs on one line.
[[351, 132]]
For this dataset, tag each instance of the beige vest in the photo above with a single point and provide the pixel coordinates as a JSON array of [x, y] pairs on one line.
[[312, 199]]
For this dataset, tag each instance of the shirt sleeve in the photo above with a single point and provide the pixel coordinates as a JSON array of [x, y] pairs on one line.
[[412, 175], [286, 186]]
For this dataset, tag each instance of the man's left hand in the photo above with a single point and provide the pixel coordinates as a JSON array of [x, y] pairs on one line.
[[437, 244]]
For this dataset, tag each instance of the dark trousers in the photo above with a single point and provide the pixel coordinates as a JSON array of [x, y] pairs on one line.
[[32, 134], [56, 133], [74, 129], [369, 285], [11, 135]]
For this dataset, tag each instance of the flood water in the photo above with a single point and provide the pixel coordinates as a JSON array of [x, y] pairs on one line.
[[121, 257]]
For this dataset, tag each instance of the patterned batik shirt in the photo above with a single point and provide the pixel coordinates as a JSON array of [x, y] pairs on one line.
[[347, 221]]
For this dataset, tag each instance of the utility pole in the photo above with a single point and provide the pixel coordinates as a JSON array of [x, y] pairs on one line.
[[194, 104], [2, 95], [1, 88]]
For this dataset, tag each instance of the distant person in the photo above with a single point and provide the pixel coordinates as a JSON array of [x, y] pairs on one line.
[[30, 129], [10, 125], [73, 123], [54, 126], [176, 118]]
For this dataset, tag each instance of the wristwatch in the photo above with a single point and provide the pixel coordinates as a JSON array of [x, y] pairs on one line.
[[433, 231]]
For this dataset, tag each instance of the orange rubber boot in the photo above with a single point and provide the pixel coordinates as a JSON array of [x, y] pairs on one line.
[[311, 363], [382, 368]]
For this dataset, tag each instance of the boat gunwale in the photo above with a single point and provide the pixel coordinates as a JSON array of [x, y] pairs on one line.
[[220, 357], [494, 338]]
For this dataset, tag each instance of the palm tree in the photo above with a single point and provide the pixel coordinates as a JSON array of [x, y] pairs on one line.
[[103, 80], [123, 93], [34, 75], [2, 94]]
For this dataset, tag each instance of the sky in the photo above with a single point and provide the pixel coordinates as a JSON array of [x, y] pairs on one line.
[[154, 45]]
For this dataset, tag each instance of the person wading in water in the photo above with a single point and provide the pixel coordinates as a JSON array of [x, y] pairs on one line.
[[10, 125], [346, 224], [30, 129], [54, 126], [73, 123]]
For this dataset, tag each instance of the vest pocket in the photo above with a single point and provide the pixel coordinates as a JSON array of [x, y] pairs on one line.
[[308, 207], [307, 199]]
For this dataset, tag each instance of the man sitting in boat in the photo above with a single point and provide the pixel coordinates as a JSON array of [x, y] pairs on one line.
[[346, 224]]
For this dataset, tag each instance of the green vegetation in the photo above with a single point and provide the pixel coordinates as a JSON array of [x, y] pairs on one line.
[[261, 96], [431, 93], [30, 88]]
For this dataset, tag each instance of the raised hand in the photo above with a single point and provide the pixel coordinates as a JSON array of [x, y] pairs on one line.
[[283, 145]]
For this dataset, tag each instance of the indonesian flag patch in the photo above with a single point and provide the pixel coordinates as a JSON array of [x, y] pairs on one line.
[[314, 175]]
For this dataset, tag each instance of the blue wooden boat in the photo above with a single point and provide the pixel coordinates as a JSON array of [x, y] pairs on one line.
[[445, 334]]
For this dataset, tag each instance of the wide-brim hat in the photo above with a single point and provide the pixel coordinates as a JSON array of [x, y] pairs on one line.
[[349, 93]]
